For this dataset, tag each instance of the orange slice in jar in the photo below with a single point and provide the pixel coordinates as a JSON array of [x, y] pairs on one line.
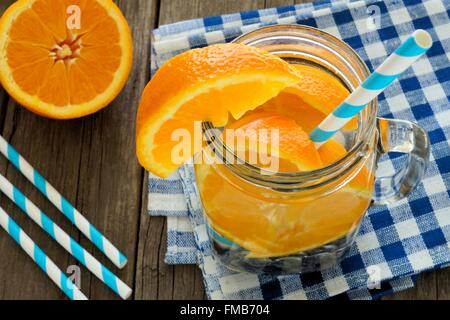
[[265, 225], [311, 99], [321, 90], [289, 144]]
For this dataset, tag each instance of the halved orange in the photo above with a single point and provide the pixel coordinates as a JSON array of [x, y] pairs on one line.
[[59, 68], [205, 84]]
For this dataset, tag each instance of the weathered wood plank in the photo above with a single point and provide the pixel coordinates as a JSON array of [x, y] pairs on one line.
[[177, 10], [278, 3], [54, 148], [110, 179], [443, 284]]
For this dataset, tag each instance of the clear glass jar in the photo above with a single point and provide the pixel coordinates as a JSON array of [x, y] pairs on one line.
[[305, 221]]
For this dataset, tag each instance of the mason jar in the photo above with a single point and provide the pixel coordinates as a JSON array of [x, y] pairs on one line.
[[294, 222]]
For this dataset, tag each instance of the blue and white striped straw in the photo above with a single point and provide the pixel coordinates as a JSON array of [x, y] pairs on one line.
[[40, 258], [77, 219], [402, 58], [66, 241]]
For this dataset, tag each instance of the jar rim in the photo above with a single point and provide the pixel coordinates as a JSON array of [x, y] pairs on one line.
[[305, 179]]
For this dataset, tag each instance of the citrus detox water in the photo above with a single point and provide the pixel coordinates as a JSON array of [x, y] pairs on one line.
[[269, 223], [257, 222], [300, 210], [303, 217]]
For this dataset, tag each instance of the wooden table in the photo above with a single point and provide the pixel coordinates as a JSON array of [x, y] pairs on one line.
[[92, 162]]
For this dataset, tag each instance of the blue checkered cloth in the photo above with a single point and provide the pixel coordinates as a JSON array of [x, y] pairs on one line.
[[398, 241]]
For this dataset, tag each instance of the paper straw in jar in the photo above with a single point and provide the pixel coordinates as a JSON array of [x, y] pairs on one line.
[[400, 60]]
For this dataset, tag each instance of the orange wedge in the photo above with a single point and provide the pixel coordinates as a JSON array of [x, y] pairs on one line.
[[320, 90], [59, 68], [291, 144], [292, 106], [332, 151], [310, 100], [204, 84]]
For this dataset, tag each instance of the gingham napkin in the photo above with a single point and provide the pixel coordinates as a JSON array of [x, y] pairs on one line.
[[397, 241]]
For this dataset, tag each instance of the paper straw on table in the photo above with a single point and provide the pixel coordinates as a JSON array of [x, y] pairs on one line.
[[67, 242], [82, 224], [41, 259], [402, 58]]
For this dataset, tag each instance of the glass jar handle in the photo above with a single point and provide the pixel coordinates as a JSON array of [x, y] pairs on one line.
[[404, 137]]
